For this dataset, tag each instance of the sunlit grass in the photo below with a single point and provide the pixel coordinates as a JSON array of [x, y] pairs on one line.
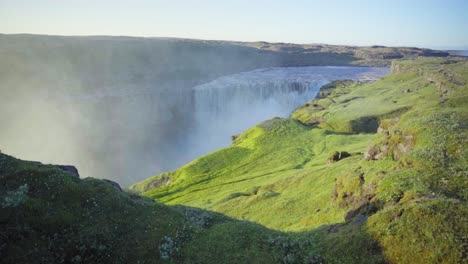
[[277, 173]]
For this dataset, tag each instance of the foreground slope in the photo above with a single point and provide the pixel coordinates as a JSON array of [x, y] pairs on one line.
[[384, 161], [48, 215]]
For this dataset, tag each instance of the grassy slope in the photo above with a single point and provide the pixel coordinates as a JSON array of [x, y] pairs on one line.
[[62, 218], [407, 206], [50, 216], [277, 173]]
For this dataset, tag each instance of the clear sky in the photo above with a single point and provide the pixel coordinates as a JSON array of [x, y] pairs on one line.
[[424, 23]]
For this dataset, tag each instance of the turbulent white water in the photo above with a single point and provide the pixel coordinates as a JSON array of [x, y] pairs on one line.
[[231, 104]]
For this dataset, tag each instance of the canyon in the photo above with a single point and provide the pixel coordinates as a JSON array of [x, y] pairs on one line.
[[126, 108]]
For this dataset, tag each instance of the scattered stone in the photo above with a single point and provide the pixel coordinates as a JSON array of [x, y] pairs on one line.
[[409, 137], [383, 151], [402, 148], [338, 155], [371, 152]]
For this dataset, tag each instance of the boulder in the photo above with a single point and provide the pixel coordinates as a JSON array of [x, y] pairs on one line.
[[70, 169], [383, 151], [338, 155], [371, 152]]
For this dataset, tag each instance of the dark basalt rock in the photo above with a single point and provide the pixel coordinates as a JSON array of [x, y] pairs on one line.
[[70, 169], [433, 53], [114, 184], [338, 155]]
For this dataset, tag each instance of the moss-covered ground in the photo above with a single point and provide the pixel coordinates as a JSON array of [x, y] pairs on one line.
[[404, 185], [48, 215], [365, 173]]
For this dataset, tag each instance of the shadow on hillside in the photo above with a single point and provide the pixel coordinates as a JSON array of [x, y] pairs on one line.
[[49, 215], [347, 242]]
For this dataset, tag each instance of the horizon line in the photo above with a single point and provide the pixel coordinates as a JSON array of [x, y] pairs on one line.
[[454, 48]]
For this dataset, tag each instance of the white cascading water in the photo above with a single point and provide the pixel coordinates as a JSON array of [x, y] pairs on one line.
[[231, 104]]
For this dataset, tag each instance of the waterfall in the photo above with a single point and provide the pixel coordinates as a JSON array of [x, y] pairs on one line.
[[230, 104], [131, 131]]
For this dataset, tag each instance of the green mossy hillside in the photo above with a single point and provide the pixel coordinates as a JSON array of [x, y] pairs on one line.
[[407, 139], [55, 217], [365, 173], [48, 215]]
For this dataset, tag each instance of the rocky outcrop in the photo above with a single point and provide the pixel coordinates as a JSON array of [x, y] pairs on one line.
[[338, 155], [373, 152], [396, 142], [70, 169], [159, 182]]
